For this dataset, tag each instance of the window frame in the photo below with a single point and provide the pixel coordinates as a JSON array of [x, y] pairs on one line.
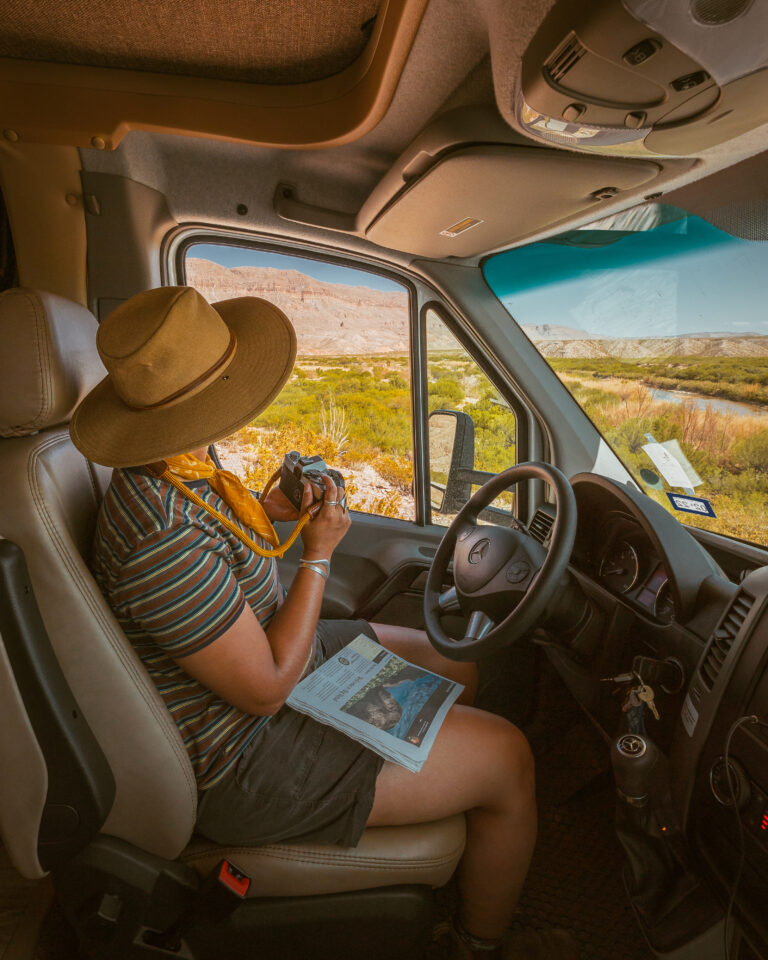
[[179, 246], [522, 500], [421, 297]]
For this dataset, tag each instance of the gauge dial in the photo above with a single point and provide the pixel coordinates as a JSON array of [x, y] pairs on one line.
[[664, 605], [620, 567]]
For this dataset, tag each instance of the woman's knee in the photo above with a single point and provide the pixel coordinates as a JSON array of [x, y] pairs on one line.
[[508, 759]]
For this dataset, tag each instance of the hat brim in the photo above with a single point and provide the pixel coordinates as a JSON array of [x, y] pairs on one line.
[[111, 433]]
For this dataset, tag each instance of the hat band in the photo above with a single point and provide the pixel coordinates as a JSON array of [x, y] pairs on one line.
[[196, 384]]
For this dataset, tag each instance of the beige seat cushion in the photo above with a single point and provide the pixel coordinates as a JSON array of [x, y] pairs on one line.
[[425, 853]]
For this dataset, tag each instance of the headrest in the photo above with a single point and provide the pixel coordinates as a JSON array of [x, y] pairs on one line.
[[48, 360]]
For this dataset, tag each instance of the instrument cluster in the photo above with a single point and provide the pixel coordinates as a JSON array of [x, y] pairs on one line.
[[629, 567]]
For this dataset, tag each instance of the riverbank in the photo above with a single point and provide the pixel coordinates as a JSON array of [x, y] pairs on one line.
[[698, 401], [735, 379]]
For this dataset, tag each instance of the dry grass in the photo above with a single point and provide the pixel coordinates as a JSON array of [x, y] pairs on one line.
[[717, 444], [376, 482]]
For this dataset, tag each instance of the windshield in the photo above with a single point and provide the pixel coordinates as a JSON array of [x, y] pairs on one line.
[[656, 322]]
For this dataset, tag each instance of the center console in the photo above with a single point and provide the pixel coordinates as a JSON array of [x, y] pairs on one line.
[[723, 810]]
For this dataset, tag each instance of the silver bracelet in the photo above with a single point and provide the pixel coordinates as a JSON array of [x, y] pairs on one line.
[[323, 567]]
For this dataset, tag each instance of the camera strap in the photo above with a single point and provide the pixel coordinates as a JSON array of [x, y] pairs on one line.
[[249, 510]]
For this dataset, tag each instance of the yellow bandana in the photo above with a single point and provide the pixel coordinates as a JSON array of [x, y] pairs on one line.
[[238, 497]]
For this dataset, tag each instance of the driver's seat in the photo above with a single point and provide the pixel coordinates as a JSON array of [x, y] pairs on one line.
[[97, 787]]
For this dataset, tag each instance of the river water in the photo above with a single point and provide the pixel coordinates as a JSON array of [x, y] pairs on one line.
[[716, 403]]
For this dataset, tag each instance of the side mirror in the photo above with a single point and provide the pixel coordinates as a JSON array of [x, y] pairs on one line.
[[451, 459]]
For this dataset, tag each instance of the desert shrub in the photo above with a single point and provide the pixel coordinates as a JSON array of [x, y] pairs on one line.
[[395, 470], [445, 392], [752, 452]]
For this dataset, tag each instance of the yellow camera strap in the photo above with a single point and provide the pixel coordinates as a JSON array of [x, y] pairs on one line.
[[256, 517]]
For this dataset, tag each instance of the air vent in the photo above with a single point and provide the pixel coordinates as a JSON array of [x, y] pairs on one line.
[[723, 637], [541, 525], [564, 58]]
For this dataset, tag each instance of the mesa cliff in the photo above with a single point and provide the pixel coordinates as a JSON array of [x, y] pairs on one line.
[[335, 319]]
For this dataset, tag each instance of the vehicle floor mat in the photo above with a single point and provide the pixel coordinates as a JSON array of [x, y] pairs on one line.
[[23, 905], [575, 881]]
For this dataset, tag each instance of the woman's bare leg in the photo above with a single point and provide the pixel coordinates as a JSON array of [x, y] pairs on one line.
[[414, 645], [482, 765]]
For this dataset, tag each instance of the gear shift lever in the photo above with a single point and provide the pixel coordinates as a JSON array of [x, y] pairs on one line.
[[650, 869], [634, 759]]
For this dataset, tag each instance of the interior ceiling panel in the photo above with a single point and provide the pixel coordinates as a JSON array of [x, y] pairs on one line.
[[195, 174], [465, 52], [273, 47], [257, 41]]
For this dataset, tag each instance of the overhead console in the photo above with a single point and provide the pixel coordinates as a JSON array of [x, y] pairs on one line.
[[643, 77], [469, 184]]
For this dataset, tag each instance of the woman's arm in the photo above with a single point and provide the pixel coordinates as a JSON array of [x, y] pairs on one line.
[[255, 670]]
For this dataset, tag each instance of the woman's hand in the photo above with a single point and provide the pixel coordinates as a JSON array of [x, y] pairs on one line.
[[330, 522], [278, 507]]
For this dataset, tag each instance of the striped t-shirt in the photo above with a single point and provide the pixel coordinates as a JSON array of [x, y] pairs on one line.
[[177, 579]]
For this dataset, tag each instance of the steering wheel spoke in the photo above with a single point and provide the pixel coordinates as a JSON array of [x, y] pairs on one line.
[[479, 626], [503, 574], [448, 602]]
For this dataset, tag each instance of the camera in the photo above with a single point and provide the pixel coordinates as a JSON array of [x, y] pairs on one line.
[[297, 470]]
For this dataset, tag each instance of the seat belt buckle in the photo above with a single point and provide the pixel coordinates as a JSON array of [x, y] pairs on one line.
[[232, 880], [220, 893]]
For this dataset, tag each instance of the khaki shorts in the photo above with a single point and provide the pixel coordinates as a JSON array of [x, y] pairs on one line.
[[297, 780]]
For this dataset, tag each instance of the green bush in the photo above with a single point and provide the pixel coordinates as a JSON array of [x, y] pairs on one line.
[[752, 452]]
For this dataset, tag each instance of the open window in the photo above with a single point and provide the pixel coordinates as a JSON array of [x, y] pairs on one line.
[[349, 397], [473, 430]]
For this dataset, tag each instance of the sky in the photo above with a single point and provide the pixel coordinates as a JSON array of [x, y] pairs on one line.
[[329, 272], [678, 279]]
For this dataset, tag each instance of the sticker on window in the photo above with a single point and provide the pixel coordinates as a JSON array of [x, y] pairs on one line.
[[672, 463], [691, 504]]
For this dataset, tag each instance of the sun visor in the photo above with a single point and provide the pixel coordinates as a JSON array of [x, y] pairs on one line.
[[477, 198]]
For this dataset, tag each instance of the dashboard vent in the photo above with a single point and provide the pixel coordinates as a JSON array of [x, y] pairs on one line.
[[564, 58], [541, 526], [723, 637]]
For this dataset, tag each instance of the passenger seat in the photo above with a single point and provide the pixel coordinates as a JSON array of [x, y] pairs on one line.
[[133, 761]]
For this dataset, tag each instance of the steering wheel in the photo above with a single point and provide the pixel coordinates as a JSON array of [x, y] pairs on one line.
[[504, 578]]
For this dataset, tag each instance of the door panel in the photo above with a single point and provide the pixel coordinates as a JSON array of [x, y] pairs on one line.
[[378, 569]]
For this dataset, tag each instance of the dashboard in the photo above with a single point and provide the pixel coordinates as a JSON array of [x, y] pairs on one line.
[[652, 590]]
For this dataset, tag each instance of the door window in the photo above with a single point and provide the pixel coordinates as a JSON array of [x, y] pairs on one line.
[[349, 397], [472, 429]]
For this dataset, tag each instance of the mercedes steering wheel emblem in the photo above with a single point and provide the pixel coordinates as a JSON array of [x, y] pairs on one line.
[[479, 550], [517, 572]]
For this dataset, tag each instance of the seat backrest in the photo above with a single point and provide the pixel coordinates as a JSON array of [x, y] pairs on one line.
[[49, 499]]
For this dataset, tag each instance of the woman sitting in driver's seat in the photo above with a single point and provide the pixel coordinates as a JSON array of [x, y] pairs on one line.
[[225, 643]]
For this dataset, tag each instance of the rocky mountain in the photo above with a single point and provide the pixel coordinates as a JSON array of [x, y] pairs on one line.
[[552, 331], [335, 319], [635, 348], [331, 319]]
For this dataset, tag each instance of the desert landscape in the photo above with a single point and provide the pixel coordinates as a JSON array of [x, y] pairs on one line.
[[349, 396]]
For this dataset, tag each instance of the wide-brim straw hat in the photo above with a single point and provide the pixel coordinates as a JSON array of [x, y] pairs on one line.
[[182, 373]]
